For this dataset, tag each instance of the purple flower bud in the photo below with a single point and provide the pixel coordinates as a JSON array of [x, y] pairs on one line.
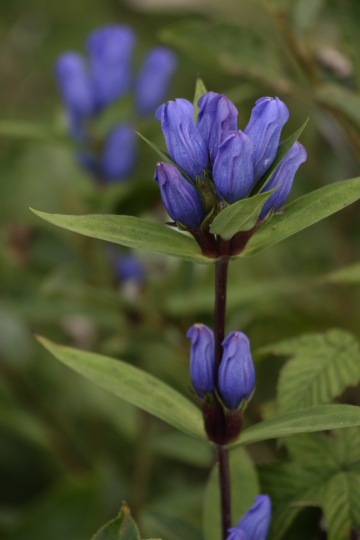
[[181, 199], [186, 146], [217, 117], [110, 50], [119, 153], [283, 177], [256, 522], [233, 170], [202, 358], [237, 376], [74, 83], [153, 81], [267, 120]]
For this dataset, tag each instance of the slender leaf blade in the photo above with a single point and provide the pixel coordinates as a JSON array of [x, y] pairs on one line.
[[240, 216], [302, 213], [200, 90], [320, 418], [133, 385], [131, 232]]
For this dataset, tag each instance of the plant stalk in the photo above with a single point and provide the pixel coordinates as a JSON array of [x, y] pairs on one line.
[[221, 273]]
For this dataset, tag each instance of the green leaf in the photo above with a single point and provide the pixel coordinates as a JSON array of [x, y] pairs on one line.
[[244, 487], [344, 276], [32, 132], [325, 472], [302, 213], [321, 367], [131, 232], [121, 528], [162, 153], [240, 216], [281, 153], [320, 418], [200, 90], [169, 526], [132, 385]]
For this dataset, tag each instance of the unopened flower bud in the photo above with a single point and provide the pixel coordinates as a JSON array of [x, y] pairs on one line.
[[256, 522], [267, 120], [186, 146], [237, 376], [283, 177], [202, 359], [181, 199], [76, 90], [233, 170], [153, 81], [110, 51], [217, 117], [119, 153]]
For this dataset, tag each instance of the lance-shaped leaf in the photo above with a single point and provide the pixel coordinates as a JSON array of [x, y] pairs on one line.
[[320, 418], [131, 232], [132, 385], [240, 216], [200, 90], [304, 212]]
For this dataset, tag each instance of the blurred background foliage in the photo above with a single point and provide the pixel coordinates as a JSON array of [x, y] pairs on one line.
[[69, 452]]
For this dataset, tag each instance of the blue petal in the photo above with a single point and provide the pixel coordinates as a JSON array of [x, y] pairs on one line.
[[202, 358], [119, 153]]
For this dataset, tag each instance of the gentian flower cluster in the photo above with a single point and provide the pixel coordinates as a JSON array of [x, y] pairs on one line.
[[215, 164], [256, 522], [236, 375], [89, 86]]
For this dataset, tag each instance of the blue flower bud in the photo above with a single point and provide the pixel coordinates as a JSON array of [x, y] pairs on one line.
[[119, 153], [153, 81], [267, 120], [74, 83], [181, 199], [236, 373], [217, 117], [233, 170], [256, 522], [283, 177], [202, 358], [110, 51], [186, 146]]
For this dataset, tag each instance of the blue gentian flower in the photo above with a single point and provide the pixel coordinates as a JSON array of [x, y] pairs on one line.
[[256, 522], [153, 81], [181, 199], [202, 359], [119, 153], [283, 177], [237, 376]]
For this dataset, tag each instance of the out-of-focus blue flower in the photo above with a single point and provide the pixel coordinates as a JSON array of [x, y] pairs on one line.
[[237, 376], [283, 177], [256, 522], [110, 50], [76, 90], [217, 117], [233, 170], [186, 146], [181, 199], [119, 153], [129, 268], [202, 358], [267, 120], [153, 80]]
